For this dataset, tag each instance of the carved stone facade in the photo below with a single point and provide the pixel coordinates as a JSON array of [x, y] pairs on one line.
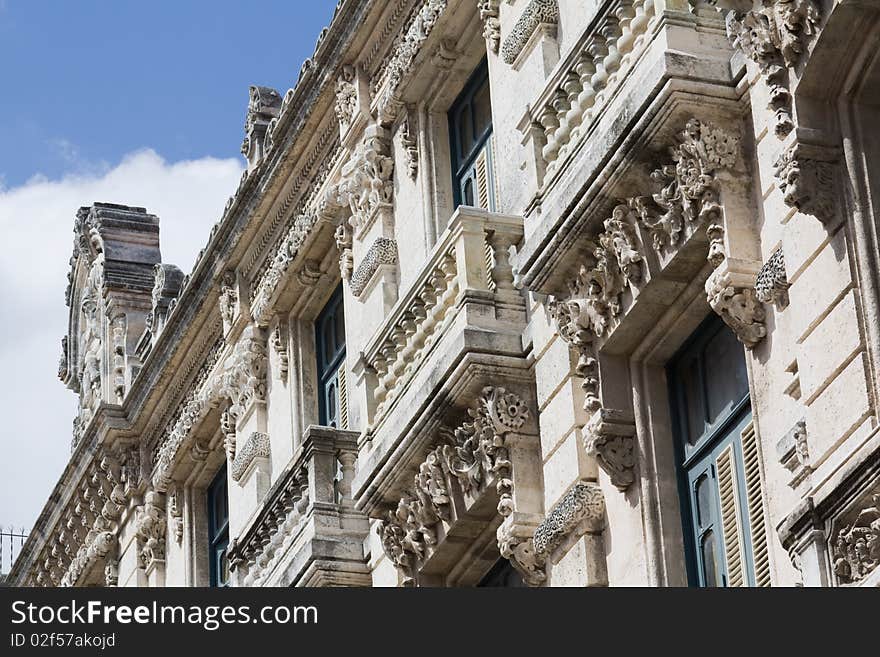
[[508, 395]]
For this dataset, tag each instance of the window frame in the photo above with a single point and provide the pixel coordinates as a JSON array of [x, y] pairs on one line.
[[327, 370], [217, 533], [461, 165], [715, 438]]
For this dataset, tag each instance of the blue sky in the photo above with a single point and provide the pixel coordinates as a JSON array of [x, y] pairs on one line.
[[140, 103], [86, 82]]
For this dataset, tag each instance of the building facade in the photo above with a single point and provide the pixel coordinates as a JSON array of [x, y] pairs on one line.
[[512, 292]]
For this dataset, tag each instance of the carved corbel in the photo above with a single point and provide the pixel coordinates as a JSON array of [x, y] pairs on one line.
[[731, 294], [175, 511], [491, 23], [794, 453], [610, 438], [774, 35], [150, 528], [805, 176]]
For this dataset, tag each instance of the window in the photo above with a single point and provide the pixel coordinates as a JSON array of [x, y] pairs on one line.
[[718, 469], [330, 346], [502, 575], [218, 529], [470, 133]]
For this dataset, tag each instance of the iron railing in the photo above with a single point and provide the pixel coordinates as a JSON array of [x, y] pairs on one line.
[[11, 542]]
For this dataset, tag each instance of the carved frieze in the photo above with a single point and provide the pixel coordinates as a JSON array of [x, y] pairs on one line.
[[855, 546]]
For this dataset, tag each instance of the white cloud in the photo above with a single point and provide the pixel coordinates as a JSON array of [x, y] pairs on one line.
[[36, 221]]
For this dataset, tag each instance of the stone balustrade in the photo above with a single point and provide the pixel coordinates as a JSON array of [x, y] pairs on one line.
[[471, 259], [309, 501], [582, 84]]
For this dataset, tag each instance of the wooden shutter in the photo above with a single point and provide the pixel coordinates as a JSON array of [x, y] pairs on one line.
[[481, 175], [731, 525], [755, 501], [342, 387]]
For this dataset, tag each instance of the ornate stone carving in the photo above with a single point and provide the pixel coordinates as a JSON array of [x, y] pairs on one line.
[[688, 190], [256, 446], [806, 183], [118, 335], [366, 183], [150, 528], [517, 546], [261, 308], [111, 573], [583, 502], [175, 511], [279, 344], [228, 299], [382, 252], [343, 245], [793, 452], [264, 106], [491, 23], [856, 547], [167, 284], [402, 58], [467, 458], [536, 13], [242, 379], [410, 143], [346, 97], [731, 296], [771, 283], [774, 36], [611, 440]]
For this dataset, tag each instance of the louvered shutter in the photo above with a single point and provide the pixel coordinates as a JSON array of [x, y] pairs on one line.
[[731, 523], [755, 500]]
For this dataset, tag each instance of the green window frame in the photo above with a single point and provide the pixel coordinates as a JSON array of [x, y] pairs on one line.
[[716, 449], [330, 352], [218, 529], [470, 137]]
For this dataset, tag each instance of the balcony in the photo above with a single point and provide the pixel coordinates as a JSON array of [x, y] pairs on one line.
[[307, 532], [463, 302]]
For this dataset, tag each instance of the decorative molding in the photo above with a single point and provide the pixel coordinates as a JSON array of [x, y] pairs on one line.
[[344, 245], [806, 183], [774, 36], [794, 454], [583, 503], [267, 288], [536, 14], [468, 458], [256, 446], [855, 548], [382, 252], [771, 283], [611, 440], [387, 84]]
